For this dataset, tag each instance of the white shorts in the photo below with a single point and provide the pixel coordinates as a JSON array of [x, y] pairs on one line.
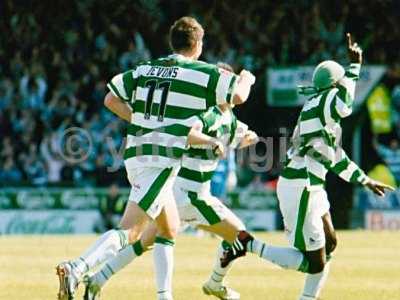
[[302, 209], [151, 188], [201, 209]]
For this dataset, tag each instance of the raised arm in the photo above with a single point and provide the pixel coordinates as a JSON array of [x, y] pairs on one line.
[[347, 85], [243, 87]]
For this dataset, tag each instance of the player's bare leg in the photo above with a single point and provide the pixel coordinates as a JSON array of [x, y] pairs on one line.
[[134, 219], [108, 245], [227, 228], [315, 282], [330, 234]]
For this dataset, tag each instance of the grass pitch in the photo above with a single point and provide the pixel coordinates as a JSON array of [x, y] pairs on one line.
[[366, 266]]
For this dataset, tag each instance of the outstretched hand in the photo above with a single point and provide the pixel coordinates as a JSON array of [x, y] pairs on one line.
[[378, 187], [250, 138], [354, 50]]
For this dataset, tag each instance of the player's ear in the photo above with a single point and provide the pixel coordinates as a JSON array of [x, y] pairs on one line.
[[199, 47]]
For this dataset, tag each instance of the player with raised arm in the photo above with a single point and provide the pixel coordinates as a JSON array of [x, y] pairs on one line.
[[196, 205], [165, 94], [302, 197]]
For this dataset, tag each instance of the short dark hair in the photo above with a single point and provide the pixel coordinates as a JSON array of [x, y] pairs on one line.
[[185, 33]]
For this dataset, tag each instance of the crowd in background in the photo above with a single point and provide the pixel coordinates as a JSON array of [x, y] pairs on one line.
[[57, 58]]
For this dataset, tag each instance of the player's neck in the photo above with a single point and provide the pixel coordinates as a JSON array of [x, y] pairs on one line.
[[189, 55]]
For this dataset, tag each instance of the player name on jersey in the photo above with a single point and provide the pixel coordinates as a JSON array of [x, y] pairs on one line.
[[163, 72]]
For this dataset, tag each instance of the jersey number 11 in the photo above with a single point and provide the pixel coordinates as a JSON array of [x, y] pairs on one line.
[[153, 85]]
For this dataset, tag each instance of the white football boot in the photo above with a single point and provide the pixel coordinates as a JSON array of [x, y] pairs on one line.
[[69, 280], [222, 292]]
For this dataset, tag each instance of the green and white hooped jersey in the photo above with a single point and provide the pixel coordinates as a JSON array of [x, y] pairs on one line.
[[316, 138], [199, 162], [165, 95]]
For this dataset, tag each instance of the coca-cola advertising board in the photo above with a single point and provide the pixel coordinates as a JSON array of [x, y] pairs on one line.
[[48, 221]]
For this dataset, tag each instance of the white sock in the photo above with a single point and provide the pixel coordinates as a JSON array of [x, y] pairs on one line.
[[113, 265], [105, 247], [314, 283], [286, 257], [164, 266], [216, 279]]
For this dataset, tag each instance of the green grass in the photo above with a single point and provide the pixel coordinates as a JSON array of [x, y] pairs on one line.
[[366, 266]]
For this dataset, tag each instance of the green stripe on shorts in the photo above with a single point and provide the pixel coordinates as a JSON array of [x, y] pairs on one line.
[[299, 241], [304, 266], [206, 210], [154, 189]]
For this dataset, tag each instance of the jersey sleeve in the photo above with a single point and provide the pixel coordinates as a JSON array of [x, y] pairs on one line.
[[123, 85], [347, 169], [343, 102], [239, 134], [208, 119], [221, 87], [336, 160]]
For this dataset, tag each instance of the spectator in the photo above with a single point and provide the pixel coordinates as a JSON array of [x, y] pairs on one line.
[[137, 52], [10, 172], [50, 151], [34, 167], [396, 108], [33, 91], [391, 156], [6, 93]]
